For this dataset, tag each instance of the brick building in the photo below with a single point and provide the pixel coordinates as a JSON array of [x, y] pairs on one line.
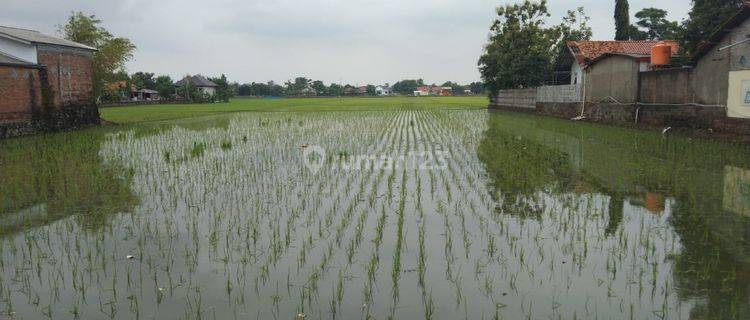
[[46, 83]]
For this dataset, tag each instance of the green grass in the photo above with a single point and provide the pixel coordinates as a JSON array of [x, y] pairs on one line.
[[146, 113]]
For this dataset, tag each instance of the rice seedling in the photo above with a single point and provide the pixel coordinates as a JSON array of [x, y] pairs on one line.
[[205, 218]]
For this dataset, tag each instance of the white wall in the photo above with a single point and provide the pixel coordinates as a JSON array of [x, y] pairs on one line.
[[576, 73], [26, 52], [208, 90]]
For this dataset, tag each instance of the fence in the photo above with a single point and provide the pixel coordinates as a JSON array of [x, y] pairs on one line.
[[518, 98], [560, 94]]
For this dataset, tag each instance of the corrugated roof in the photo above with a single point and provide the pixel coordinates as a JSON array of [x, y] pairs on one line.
[[6, 59], [197, 80], [586, 52], [33, 36]]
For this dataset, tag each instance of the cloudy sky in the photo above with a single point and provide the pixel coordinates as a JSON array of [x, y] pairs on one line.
[[350, 41]]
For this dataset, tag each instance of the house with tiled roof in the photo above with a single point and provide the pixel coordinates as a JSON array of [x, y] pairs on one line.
[[579, 55], [202, 83]]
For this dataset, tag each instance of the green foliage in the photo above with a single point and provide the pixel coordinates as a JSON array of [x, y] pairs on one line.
[[319, 87], [224, 91], [112, 52], [143, 80], [144, 113], [300, 86], [371, 90], [521, 47], [261, 89], [705, 17], [574, 27], [622, 20], [655, 24], [407, 87], [165, 86]]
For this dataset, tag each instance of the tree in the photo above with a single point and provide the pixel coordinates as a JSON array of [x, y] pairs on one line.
[[477, 87], [295, 87], [655, 24], [407, 87], [320, 88], [224, 90], [704, 18], [143, 80], [520, 48], [335, 90], [112, 52], [622, 20], [165, 86], [574, 27], [371, 90]]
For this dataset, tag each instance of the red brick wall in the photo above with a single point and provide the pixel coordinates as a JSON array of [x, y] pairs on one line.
[[16, 97], [70, 77], [70, 73]]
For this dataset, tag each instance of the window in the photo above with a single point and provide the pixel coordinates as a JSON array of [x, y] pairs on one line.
[[746, 93]]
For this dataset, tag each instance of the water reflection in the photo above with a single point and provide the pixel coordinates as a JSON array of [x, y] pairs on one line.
[[51, 177], [702, 186]]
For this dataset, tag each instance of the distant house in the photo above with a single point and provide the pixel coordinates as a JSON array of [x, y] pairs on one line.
[[467, 90], [362, 90], [383, 90], [422, 91], [446, 91], [435, 90], [31, 61], [146, 95], [202, 83]]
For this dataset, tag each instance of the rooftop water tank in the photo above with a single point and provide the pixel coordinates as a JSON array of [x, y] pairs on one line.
[[661, 54]]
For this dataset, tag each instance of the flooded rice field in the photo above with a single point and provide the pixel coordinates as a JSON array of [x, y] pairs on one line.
[[373, 215]]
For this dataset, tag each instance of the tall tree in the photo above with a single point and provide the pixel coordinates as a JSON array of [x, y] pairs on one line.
[[704, 18], [224, 90], [622, 20], [574, 27], [143, 80], [112, 52], [165, 86], [520, 48], [655, 24]]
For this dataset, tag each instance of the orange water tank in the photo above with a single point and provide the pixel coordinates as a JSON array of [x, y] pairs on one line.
[[661, 54]]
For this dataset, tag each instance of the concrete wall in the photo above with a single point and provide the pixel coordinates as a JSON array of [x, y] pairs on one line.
[[711, 74], [685, 116], [673, 86], [614, 77], [517, 98]]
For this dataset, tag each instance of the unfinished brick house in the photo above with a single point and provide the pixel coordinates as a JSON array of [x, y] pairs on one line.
[[46, 83]]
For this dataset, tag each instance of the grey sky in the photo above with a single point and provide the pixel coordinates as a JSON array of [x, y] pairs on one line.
[[351, 41]]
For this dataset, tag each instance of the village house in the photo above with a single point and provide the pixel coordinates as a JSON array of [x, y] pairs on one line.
[[45, 82], [422, 91], [383, 90], [719, 76], [206, 86], [640, 82]]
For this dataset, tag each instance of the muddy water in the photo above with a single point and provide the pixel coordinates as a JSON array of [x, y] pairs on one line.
[[404, 214]]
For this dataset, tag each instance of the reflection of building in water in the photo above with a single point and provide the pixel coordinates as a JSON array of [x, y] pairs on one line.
[[737, 190]]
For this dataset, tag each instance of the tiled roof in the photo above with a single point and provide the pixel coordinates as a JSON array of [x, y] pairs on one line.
[[32, 36], [197, 80], [588, 51]]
